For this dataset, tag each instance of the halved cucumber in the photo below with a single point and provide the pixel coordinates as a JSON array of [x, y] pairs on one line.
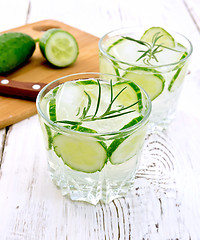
[[166, 39], [150, 80], [178, 76], [80, 154], [122, 149], [130, 95], [59, 47]]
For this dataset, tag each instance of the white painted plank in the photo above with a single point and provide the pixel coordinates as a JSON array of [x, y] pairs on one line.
[[13, 13], [32, 207], [30, 198], [193, 7], [164, 202]]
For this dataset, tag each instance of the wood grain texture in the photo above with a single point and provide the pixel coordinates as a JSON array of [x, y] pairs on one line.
[[37, 70], [164, 204]]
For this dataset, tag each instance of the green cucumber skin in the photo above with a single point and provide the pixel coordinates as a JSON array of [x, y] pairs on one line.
[[150, 70], [50, 138], [132, 122], [176, 74], [52, 109], [15, 49], [86, 130], [44, 39], [87, 82], [136, 89], [114, 145], [98, 170]]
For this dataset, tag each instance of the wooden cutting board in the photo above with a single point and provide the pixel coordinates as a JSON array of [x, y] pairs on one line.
[[37, 70]]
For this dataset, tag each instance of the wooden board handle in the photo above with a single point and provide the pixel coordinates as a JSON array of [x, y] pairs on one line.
[[24, 90]]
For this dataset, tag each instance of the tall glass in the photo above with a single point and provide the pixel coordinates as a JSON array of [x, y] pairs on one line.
[[161, 78], [85, 164]]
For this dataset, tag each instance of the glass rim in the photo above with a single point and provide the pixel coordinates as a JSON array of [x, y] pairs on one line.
[[190, 50], [66, 130]]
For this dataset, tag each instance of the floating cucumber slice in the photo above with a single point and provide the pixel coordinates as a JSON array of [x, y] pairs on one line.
[[52, 109], [114, 44], [124, 50], [178, 76], [133, 122], [150, 80], [108, 66], [59, 47], [87, 82], [131, 94], [52, 105], [80, 154], [122, 149], [166, 39], [49, 136]]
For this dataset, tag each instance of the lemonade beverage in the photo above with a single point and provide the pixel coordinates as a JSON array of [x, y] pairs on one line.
[[94, 128], [154, 59]]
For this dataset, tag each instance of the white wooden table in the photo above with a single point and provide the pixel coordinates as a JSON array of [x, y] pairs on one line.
[[165, 202]]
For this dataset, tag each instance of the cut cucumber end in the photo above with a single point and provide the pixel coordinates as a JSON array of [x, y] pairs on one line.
[[59, 47]]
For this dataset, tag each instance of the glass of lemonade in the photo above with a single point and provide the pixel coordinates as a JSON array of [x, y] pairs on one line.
[[154, 59], [94, 127]]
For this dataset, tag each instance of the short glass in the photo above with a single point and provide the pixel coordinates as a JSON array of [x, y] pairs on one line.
[[89, 165], [162, 80]]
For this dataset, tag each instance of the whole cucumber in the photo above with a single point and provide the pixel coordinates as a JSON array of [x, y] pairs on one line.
[[15, 49]]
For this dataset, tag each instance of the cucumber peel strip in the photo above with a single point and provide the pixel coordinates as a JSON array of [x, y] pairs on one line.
[[171, 84]]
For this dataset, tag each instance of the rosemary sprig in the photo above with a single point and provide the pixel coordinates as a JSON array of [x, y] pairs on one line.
[[98, 100], [109, 112], [152, 48], [85, 109]]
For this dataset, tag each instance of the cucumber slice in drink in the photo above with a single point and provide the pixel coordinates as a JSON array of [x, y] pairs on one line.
[[122, 149], [80, 154], [178, 76], [108, 66], [166, 39], [87, 82], [59, 47], [49, 136], [150, 80], [131, 94], [52, 109], [52, 105], [124, 50]]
